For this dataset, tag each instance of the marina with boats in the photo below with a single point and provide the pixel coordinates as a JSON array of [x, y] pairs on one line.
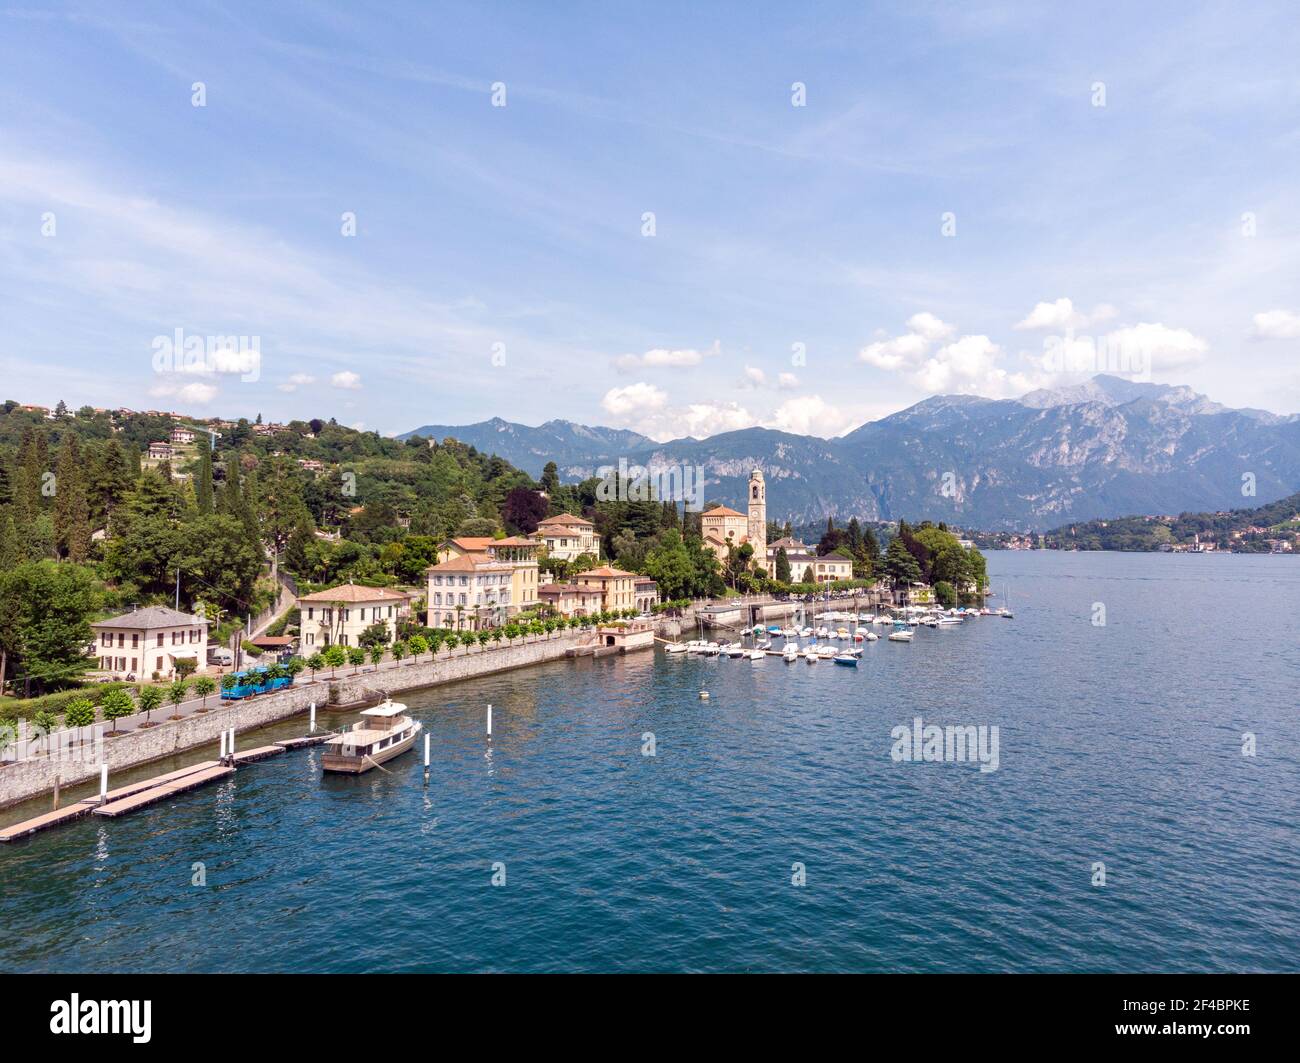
[[838, 636]]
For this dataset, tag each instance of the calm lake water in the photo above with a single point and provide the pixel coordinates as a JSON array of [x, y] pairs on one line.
[[1119, 744]]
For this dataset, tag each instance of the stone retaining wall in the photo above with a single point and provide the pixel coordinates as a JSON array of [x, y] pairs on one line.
[[31, 778]]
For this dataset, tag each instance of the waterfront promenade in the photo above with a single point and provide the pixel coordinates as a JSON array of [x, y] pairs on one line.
[[136, 744]]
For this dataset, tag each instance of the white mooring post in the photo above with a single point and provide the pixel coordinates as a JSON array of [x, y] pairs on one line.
[[489, 723], [426, 759], [313, 717], [232, 743], [103, 783], [222, 754]]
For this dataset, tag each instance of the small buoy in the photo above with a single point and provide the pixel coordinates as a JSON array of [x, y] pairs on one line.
[[704, 695]]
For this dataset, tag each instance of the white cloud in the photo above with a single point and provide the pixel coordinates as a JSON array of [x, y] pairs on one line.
[[1157, 347], [967, 365], [296, 381], [754, 377], [896, 353], [926, 325], [197, 394], [1057, 315], [810, 415], [1062, 315], [1277, 325], [647, 409], [635, 400], [663, 358], [907, 350], [970, 366], [347, 380], [787, 381]]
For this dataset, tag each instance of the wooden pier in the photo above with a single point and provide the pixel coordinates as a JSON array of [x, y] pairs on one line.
[[160, 786], [147, 792], [307, 740], [50, 819], [160, 793], [250, 756]]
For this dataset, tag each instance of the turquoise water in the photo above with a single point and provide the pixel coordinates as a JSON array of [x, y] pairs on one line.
[[1119, 744]]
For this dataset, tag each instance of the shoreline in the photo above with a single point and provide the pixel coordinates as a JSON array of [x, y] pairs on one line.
[[29, 780]]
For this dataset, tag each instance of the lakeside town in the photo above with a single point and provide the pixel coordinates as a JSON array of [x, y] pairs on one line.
[[150, 559]]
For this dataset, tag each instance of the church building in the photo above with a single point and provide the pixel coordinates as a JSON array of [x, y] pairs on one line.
[[723, 527]]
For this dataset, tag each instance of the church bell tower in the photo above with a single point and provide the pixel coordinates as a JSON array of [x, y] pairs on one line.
[[758, 518]]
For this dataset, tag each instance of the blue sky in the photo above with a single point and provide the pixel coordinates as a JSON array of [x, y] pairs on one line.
[[799, 275]]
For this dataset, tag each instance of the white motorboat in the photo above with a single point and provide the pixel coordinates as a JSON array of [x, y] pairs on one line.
[[901, 633], [791, 653], [757, 655], [675, 647], [384, 733]]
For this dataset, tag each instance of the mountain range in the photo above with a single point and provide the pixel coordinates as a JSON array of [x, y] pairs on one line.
[[1106, 447]]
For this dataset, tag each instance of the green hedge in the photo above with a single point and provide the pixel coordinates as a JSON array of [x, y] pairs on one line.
[[26, 708]]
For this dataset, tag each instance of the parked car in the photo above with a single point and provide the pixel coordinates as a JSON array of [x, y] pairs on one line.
[[221, 655]]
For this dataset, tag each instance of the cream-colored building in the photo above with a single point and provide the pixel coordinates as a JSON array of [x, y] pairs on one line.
[[567, 537], [340, 614], [645, 594], [572, 599], [618, 588], [150, 640], [827, 569], [518, 552], [470, 592], [521, 555]]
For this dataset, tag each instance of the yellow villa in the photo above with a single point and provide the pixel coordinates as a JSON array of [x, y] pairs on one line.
[[340, 614], [618, 588]]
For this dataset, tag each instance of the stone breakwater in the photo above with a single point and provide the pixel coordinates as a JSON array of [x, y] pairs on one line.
[[31, 778]]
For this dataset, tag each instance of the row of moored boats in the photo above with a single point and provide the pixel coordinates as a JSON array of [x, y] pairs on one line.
[[902, 626]]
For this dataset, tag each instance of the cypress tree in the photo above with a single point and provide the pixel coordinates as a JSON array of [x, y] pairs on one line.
[[203, 493], [71, 519]]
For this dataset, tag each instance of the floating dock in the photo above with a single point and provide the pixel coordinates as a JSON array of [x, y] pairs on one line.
[[250, 756], [159, 787], [150, 791], [50, 819], [309, 740], [160, 793]]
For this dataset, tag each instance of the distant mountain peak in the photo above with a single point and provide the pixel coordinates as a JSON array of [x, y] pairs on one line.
[[1102, 447]]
